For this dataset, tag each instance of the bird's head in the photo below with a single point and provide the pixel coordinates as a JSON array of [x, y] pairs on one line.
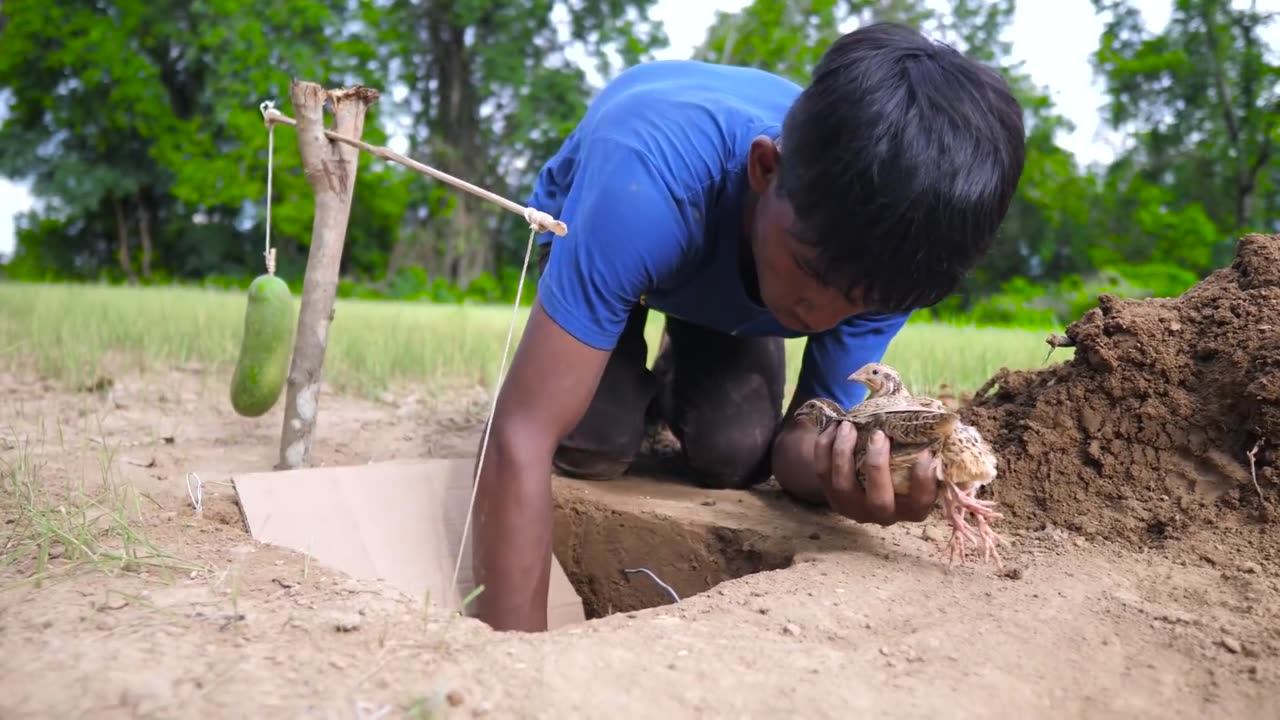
[[817, 413], [880, 379]]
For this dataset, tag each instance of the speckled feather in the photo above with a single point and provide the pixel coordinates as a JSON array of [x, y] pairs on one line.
[[967, 460], [911, 430], [913, 424]]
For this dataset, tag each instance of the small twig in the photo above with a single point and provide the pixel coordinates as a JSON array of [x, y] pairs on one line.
[[1060, 341], [981, 392], [1056, 342], [536, 218]]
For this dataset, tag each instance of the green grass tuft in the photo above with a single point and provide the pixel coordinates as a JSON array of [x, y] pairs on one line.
[[54, 531]]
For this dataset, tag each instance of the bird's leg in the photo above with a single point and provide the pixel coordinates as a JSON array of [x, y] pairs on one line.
[[957, 503], [990, 540], [960, 531]]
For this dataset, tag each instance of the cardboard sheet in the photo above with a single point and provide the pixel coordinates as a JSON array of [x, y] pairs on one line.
[[397, 521]]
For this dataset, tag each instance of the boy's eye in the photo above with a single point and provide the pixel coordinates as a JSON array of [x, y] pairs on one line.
[[805, 267]]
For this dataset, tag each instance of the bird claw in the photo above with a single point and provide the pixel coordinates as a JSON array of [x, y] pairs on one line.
[[957, 504]]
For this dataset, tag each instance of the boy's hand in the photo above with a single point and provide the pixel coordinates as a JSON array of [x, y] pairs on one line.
[[877, 502]]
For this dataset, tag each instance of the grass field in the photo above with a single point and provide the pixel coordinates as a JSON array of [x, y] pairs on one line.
[[73, 333]]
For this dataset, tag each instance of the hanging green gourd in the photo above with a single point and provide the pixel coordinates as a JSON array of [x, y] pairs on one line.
[[269, 325]]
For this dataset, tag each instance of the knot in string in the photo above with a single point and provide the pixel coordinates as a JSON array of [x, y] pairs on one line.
[[540, 221]]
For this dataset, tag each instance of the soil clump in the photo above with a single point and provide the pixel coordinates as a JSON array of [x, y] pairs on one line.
[[1146, 435]]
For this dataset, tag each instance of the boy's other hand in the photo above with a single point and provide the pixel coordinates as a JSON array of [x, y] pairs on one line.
[[876, 502]]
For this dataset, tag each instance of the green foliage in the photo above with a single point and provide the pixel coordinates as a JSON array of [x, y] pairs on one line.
[[490, 94], [1199, 103], [1152, 223], [137, 125], [412, 283], [788, 37], [1022, 303]]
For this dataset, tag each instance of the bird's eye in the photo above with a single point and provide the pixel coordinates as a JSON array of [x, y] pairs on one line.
[[875, 372]]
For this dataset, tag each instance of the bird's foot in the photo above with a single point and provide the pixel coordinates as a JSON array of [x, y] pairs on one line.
[[990, 542], [956, 505]]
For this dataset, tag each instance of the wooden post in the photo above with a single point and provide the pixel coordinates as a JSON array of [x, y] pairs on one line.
[[330, 168]]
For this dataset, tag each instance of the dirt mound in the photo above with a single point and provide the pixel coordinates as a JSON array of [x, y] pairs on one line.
[[1145, 436]]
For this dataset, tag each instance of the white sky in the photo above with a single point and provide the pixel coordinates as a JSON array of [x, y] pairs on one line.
[[1054, 39]]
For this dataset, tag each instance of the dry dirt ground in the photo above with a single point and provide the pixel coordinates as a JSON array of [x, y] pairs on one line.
[[854, 620]]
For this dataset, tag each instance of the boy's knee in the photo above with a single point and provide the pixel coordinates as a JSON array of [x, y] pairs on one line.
[[728, 459], [588, 464]]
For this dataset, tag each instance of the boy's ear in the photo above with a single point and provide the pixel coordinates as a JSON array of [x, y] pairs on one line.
[[762, 163]]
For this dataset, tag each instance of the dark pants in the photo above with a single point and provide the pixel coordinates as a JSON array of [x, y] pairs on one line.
[[720, 395]]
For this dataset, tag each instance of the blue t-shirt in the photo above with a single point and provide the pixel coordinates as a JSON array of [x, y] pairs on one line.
[[651, 185]]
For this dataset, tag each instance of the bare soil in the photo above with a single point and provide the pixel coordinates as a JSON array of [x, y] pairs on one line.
[[1140, 578]]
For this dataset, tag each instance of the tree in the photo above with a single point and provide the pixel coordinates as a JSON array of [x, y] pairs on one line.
[[138, 119], [491, 92], [1200, 104]]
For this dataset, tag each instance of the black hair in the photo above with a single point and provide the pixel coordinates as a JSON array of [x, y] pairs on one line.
[[900, 160]]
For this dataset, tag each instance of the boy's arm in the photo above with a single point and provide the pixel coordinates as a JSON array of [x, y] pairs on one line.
[[829, 358], [552, 379], [625, 234]]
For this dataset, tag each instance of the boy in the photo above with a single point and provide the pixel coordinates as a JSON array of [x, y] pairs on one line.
[[746, 210]]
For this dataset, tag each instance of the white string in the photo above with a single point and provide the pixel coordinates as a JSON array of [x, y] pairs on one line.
[[267, 255], [670, 591], [196, 493], [543, 220], [195, 490], [531, 216], [537, 220]]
